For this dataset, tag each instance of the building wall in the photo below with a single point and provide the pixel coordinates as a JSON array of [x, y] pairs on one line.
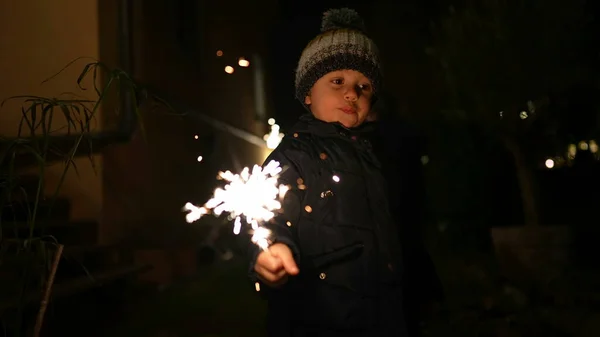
[[147, 181], [140, 186]]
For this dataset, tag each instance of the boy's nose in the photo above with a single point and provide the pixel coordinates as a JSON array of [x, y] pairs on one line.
[[351, 95]]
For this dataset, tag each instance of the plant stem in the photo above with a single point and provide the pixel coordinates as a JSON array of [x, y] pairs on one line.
[[73, 151], [44, 304], [38, 193], [40, 189]]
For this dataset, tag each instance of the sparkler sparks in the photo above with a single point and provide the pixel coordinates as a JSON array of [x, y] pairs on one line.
[[250, 196]]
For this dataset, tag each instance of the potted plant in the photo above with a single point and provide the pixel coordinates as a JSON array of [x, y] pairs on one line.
[[29, 253], [502, 63]]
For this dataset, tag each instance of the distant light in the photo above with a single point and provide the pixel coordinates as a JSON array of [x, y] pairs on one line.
[[425, 160], [219, 53], [583, 146], [523, 115], [336, 178], [195, 136], [572, 151], [243, 62], [200, 158], [274, 137], [229, 69], [549, 163], [593, 146]]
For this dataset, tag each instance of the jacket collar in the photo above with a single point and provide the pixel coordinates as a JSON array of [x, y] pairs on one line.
[[309, 124]]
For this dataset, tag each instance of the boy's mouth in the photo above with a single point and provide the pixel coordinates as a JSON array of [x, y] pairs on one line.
[[348, 110]]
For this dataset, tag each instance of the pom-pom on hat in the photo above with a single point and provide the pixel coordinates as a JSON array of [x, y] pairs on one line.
[[342, 44]]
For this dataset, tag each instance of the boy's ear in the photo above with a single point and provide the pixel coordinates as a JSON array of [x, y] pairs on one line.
[[307, 100]]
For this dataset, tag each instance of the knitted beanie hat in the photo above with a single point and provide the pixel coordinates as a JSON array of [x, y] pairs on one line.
[[342, 44]]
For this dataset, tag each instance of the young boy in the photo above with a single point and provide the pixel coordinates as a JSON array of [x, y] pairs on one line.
[[334, 268]]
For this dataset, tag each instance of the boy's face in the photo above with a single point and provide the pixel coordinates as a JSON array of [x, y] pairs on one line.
[[342, 96]]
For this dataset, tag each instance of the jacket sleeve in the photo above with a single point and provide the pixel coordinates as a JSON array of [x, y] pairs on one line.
[[281, 226]]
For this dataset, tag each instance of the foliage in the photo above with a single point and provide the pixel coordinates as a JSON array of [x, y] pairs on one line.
[[504, 62], [508, 56]]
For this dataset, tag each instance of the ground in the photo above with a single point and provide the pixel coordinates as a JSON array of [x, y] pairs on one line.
[[219, 302]]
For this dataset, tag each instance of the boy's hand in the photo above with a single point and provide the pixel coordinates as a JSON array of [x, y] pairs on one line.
[[275, 265]]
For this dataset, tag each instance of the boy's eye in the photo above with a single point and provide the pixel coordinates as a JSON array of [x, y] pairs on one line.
[[365, 87], [337, 81]]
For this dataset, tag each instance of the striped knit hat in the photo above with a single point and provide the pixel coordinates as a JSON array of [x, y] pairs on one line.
[[341, 45]]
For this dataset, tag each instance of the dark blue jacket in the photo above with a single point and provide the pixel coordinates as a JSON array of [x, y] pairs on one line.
[[343, 221]]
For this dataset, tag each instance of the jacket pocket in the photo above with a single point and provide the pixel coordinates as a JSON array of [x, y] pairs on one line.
[[345, 268], [339, 255]]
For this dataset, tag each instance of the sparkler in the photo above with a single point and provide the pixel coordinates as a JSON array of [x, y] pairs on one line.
[[250, 196]]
